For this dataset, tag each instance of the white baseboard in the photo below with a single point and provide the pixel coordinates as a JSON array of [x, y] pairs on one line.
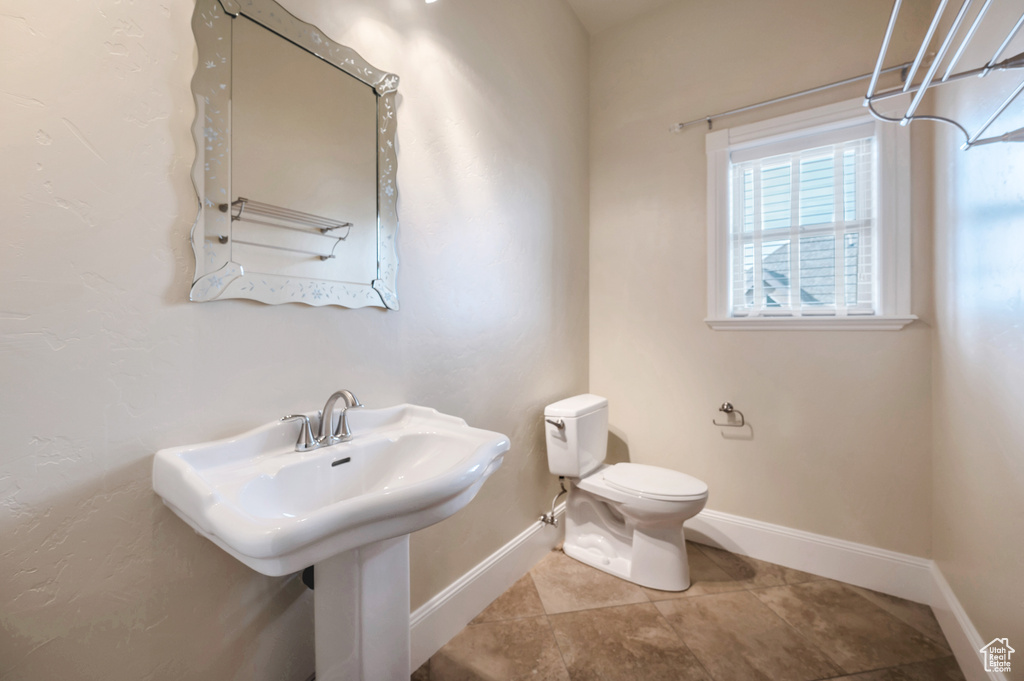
[[442, 617], [898, 574], [960, 632]]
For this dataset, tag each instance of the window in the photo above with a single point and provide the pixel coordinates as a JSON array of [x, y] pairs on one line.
[[809, 223]]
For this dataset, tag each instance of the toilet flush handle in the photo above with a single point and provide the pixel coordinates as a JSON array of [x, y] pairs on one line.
[[557, 423]]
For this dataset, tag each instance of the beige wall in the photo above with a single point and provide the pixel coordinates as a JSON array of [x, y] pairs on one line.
[[841, 432], [978, 365], [104, 361]]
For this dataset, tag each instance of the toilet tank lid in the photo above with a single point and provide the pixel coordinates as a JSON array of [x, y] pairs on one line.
[[572, 407]]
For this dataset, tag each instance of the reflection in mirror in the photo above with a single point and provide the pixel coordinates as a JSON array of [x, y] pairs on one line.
[[303, 138], [295, 163]]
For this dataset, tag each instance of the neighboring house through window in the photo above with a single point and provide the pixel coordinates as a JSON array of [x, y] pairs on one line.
[[809, 222]]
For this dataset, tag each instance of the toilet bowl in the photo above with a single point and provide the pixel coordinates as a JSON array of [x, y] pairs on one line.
[[625, 519]]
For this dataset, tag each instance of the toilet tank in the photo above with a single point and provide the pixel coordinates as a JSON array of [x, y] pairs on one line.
[[580, 446]]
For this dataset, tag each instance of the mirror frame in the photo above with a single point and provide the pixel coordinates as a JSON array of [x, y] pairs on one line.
[[217, 276]]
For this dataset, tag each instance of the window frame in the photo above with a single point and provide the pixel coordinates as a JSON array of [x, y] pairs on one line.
[[892, 238]]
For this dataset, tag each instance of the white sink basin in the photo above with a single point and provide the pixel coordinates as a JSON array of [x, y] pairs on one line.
[[280, 511]]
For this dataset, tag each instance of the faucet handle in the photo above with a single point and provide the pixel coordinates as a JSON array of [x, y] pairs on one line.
[[343, 433], [306, 440]]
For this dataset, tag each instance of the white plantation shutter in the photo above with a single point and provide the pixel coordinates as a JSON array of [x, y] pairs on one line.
[[802, 226], [809, 220]]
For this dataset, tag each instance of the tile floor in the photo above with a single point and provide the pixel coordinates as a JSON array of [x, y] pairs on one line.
[[742, 619]]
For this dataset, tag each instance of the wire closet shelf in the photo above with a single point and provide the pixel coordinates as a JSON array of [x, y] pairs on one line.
[[931, 79]]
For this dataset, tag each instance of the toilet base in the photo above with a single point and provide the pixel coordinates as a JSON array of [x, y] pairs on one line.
[[650, 556]]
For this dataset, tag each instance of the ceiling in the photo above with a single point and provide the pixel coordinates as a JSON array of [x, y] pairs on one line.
[[598, 15]]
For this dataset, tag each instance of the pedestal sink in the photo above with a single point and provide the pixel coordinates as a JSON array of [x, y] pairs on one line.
[[346, 509]]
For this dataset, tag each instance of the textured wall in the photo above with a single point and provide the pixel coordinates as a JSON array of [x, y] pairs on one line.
[[978, 366], [103, 360], [840, 420]]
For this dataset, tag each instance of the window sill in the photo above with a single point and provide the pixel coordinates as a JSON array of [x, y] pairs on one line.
[[854, 323]]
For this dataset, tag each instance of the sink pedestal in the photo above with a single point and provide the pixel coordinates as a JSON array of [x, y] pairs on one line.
[[361, 606]]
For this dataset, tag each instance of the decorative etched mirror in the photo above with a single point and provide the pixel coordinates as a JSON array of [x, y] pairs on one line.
[[295, 163]]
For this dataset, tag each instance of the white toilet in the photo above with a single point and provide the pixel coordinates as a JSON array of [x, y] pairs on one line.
[[625, 519]]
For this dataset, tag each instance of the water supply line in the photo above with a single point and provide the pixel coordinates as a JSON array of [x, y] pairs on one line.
[[549, 518]]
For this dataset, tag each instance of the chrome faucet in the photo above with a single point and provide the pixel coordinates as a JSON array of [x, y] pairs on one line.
[[325, 436]]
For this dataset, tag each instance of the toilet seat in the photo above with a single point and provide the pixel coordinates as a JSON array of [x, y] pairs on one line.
[[654, 482]]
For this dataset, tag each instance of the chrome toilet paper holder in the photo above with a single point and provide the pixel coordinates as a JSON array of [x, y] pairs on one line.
[[729, 409]]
